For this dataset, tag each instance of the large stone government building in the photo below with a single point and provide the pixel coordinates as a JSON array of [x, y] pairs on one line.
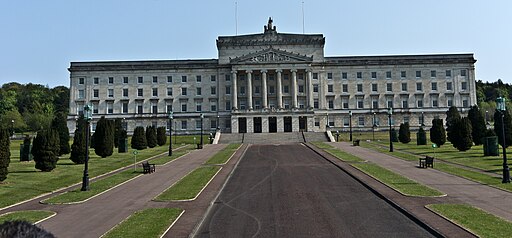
[[274, 82]]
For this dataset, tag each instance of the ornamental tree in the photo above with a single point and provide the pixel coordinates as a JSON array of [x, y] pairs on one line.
[[5, 153], [462, 139], [451, 116], [104, 138], [437, 132], [160, 136], [151, 136], [46, 149], [404, 134], [477, 124], [59, 123], [78, 147], [139, 139]]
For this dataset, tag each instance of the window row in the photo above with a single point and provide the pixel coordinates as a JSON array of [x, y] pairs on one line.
[[389, 74], [390, 102], [142, 79]]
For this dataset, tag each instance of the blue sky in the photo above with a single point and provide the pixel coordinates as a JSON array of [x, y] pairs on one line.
[[38, 39]]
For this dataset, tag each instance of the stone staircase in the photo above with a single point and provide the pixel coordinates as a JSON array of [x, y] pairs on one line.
[[228, 138], [316, 136], [272, 138]]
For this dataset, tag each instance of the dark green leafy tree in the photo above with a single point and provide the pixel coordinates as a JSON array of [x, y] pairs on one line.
[[25, 152], [5, 154], [59, 123], [404, 134], [498, 127], [78, 148], [118, 128], [161, 137], [477, 124], [123, 147], [452, 115], [46, 150], [421, 137], [462, 139], [151, 136], [437, 132], [139, 139], [104, 138]]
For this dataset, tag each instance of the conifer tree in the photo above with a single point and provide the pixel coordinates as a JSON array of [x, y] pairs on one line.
[[46, 149], [437, 132], [118, 127], [5, 153], [151, 136], [139, 139], [461, 133], [452, 115], [78, 148], [25, 152], [498, 128], [404, 134], [161, 137], [59, 123], [104, 138], [477, 125], [123, 147]]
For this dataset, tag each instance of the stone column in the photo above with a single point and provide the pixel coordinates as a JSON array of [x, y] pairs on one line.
[[294, 88], [321, 90], [310, 89], [264, 88], [279, 90], [234, 91], [249, 89]]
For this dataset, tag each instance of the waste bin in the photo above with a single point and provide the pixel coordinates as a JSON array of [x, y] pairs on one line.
[[394, 135], [25, 154], [421, 138], [123, 146], [491, 147]]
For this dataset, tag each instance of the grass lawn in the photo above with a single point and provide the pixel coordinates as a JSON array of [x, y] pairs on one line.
[[31, 216], [222, 156], [479, 222], [394, 180], [189, 186], [152, 222], [176, 153], [24, 181]]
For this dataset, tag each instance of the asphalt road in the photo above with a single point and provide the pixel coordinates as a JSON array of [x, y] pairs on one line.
[[289, 191]]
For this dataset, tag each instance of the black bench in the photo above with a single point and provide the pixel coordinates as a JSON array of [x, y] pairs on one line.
[[148, 168], [426, 162], [355, 143]]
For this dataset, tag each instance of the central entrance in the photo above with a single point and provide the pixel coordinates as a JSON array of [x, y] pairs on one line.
[[287, 124], [242, 125], [257, 125], [272, 124], [302, 123]]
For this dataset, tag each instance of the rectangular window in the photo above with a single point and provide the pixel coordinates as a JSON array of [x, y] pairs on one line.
[[315, 75], [315, 88], [227, 77], [389, 87], [199, 92], [374, 87], [315, 104], [140, 92], [463, 72], [286, 89], [140, 108], [213, 78], [330, 88], [169, 91], [360, 121], [331, 103], [271, 90], [449, 86], [344, 102], [389, 102], [81, 93], [359, 88], [301, 88], [110, 80], [169, 79], [198, 78], [110, 107], [419, 102], [213, 124], [242, 90], [375, 103], [110, 92], [419, 86], [433, 73], [125, 92], [213, 106], [344, 88], [228, 105], [449, 101], [183, 107], [300, 76], [95, 93], [213, 90], [155, 92], [359, 75], [448, 73], [184, 78], [95, 108], [403, 74], [418, 74], [125, 107], [329, 75], [228, 90], [388, 74], [155, 79], [81, 80], [96, 80], [154, 107], [344, 75], [125, 80], [360, 103], [405, 103], [286, 77], [199, 107], [271, 77], [374, 75], [183, 125], [464, 86], [346, 121], [434, 86], [434, 103], [140, 80], [183, 91], [404, 86]]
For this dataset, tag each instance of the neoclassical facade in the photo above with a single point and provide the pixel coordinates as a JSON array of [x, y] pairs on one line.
[[274, 82]]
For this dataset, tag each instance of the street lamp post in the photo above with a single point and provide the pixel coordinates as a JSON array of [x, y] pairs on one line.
[[170, 133], [422, 119], [350, 123], [500, 106], [201, 140], [390, 112], [373, 126], [337, 136], [175, 138], [12, 128], [88, 118], [327, 116], [218, 125]]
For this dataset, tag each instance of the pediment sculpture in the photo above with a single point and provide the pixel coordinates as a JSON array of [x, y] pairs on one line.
[[272, 55]]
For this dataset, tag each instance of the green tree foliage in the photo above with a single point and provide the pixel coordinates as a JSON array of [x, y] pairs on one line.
[[151, 136], [139, 139], [118, 128], [59, 123], [123, 148], [46, 149], [452, 115], [13, 115], [61, 99], [507, 120], [421, 137], [462, 139], [78, 148], [160, 135], [25, 152], [404, 134], [437, 132], [104, 138], [477, 124], [5, 154]]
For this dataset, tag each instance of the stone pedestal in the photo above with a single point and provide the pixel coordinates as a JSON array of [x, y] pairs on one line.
[[250, 125], [264, 124]]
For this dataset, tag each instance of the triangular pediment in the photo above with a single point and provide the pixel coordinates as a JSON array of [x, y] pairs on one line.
[[271, 55]]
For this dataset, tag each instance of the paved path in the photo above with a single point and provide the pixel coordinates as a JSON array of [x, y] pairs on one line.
[[492, 200], [98, 215], [290, 191]]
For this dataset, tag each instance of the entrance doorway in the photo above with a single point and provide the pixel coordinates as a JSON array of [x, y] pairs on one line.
[[287, 124], [302, 123], [272, 124], [242, 125], [257, 125]]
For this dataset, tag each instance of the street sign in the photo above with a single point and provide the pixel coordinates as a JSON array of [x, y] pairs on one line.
[[135, 152], [434, 145]]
